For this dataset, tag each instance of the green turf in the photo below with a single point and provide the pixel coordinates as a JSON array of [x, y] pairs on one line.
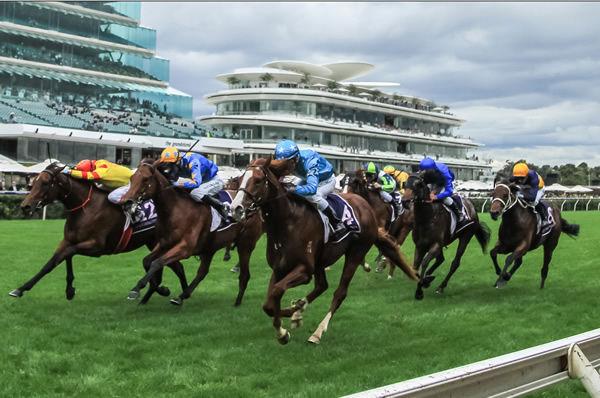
[[99, 344]]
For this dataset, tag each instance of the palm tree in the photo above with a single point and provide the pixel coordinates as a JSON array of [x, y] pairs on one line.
[[267, 77], [445, 108], [353, 90], [376, 93], [232, 80], [396, 97], [305, 79], [332, 85]]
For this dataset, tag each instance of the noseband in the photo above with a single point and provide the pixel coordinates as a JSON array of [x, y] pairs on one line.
[[510, 202]]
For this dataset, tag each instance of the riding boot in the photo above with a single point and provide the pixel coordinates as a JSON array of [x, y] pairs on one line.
[[138, 215], [397, 207], [540, 208], [216, 203], [459, 214], [336, 224]]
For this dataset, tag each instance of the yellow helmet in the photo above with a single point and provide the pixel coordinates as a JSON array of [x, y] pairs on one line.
[[389, 169], [170, 154], [520, 170]]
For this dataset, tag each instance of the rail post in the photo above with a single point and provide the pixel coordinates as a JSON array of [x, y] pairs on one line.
[[44, 213], [579, 367], [561, 206], [575, 206], [587, 204], [483, 206]]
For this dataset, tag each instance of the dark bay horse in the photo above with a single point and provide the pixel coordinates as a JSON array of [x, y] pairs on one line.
[[93, 227], [295, 242], [355, 182], [183, 228], [518, 232], [432, 233]]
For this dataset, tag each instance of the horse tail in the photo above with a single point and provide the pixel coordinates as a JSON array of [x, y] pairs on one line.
[[390, 249], [483, 235], [570, 229]]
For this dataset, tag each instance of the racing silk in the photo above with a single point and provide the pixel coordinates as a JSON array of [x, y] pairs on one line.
[[312, 168], [387, 181], [107, 173], [197, 168], [443, 177], [533, 183]]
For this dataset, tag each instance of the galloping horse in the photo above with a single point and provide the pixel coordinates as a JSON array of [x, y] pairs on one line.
[[399, 229], [433, 232], [93, 227], [518, 232], [295, 242], [183, 228]]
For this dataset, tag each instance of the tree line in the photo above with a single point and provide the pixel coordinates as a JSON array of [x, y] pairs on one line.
[[566, 174]]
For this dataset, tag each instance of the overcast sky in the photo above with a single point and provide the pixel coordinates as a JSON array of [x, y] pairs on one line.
[[525, 77]]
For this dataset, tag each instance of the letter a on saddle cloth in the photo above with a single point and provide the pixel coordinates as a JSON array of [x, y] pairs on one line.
[[344, 212]]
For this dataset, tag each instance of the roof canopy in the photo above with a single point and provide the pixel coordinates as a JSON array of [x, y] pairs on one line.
[[7, 165]]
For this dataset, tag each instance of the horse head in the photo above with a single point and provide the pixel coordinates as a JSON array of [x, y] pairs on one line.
[[503, 197], [259, 183], [415, 189], [46, 188], [355, 182], [144, 184]]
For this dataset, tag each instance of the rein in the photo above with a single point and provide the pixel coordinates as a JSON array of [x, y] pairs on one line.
[[257, 202], [55, 175], [86, 201], [511, 202]]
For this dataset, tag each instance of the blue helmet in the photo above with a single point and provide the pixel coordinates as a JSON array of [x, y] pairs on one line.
[[426, 164], [286, 149]]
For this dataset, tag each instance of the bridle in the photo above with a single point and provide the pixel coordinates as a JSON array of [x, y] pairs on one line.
[[510, 202], [255, 200], [54, 182]]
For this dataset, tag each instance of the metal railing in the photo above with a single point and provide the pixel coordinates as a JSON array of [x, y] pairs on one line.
[[583, 203], [509, 375]]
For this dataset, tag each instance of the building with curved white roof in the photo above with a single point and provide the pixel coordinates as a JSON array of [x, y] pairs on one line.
[[349, 122]]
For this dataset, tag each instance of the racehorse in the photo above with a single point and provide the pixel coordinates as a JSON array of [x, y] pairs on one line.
[[518, 232], [183, 228], [355, 182], [93, 227], [295, 242], [432, 233]]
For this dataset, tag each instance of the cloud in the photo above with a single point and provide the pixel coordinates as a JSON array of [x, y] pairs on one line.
[[525, 76]]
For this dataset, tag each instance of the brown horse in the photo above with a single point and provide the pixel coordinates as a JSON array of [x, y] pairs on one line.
[[355, 182], [295, 242], [183, 228], [432, 233], [93, 227], [518, 232]]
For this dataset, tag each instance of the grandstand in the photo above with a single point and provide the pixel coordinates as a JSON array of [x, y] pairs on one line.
[[89, 71]]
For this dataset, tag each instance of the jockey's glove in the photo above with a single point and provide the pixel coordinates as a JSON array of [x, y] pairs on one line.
[[66, 170]]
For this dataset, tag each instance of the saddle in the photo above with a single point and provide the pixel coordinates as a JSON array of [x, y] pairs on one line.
[[218, 223], [544, 226], [460, 205], [344, 212]]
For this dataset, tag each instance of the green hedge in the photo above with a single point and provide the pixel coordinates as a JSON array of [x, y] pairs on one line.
[[10, 209]]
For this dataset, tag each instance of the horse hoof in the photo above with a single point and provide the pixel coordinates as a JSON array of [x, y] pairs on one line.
[[70, 293], [235, 269], [176, 301], [378, 269], [227, 257], [133, 295], [427, 281], [296, 323], [500, 283], [439, 290], [389, 277], [314, 339], [419, 295], [367, 267], [163, 291], [283, 340], [16, 293]]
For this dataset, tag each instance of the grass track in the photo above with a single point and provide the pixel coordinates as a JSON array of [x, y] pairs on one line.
[[101, 345]]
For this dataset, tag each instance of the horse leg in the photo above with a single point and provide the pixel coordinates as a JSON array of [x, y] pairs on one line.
[[158, 262], [549, 247], [244, 253], [155, 287], [462, 246], [64, 250], [299, 306], [505, 275], [272, 307], [177, 268], [70, 291], [227, 255], [429, 277], [494, 255], [424, 279], [205, 260], [350, 264]]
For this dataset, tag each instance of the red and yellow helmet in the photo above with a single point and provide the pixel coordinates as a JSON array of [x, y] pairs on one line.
[[170, 154], [86, 165], [520, 170]]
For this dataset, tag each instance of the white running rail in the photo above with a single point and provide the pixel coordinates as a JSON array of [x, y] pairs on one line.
[[509, 375]]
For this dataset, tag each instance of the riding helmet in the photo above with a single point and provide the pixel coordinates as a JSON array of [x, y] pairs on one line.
[[86, 165], [520, 170], [286, 149], [170, 154], [426, 164], [372, 168]]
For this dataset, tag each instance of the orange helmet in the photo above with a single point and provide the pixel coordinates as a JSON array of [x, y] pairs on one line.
[[86, 165], [170, 154], [520, 170]]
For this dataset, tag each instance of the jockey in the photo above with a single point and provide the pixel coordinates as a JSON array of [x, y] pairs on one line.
[[382, 182], [317, 177], [399, 176], [532, 187], [439, 181], [106, 173], [202, 174]]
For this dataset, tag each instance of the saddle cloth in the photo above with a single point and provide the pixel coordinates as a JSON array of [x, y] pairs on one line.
[[217, 222], [344, 212], [550, 222], [130, 228], [453, 218]]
